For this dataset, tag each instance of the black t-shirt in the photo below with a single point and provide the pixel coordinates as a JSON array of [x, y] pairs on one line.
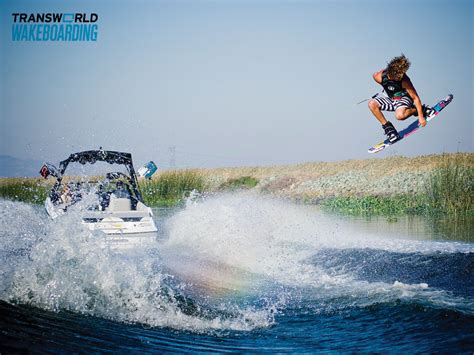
[[393, 88]]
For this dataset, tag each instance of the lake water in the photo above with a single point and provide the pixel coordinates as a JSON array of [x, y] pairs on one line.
[[237, 273]]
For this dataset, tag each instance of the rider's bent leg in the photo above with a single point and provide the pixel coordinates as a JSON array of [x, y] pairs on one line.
[[403, 113], [374, 107]]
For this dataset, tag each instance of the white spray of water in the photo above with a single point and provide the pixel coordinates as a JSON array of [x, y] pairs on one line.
[[68, 268], [232, 245], [277, 239]]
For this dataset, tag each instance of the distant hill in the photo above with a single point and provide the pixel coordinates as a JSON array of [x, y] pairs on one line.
[[15, 167]]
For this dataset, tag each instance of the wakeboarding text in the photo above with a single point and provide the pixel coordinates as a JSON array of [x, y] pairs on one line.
[[55, 27]]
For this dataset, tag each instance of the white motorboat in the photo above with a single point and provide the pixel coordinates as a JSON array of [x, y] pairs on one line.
[[116, 209]]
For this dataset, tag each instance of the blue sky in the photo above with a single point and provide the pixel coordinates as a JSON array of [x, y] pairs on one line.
[[232, 83]]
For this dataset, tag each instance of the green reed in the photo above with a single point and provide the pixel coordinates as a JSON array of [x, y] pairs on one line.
[[450, 189], [30, 190], [171, 187], [376, 205]]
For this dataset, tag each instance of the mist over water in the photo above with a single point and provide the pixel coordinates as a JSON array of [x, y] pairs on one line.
[[233, 263]]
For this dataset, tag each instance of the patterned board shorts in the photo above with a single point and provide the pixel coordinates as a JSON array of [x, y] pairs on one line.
[[388, 104]]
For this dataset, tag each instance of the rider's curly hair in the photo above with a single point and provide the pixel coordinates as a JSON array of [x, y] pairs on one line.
[[397, 67]]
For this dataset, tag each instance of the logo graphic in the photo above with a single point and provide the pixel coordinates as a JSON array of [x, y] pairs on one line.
[[55, 27], [391, 88]]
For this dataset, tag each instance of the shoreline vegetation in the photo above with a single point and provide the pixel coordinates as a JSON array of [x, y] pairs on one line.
[[424, 185]]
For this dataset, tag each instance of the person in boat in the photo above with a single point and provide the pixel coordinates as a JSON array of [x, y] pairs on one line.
[[70, 194], [66, 195], [401, 97], [121, 190]]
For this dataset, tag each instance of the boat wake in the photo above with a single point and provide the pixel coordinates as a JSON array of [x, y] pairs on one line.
[[229, 262]]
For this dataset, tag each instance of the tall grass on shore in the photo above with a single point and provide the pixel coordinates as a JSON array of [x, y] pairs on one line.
[[167, 189], [29, 190], [376, 205], [450, 189], [172, 186]]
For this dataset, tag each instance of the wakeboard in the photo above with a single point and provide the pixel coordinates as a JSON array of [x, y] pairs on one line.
[[414, 126]]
